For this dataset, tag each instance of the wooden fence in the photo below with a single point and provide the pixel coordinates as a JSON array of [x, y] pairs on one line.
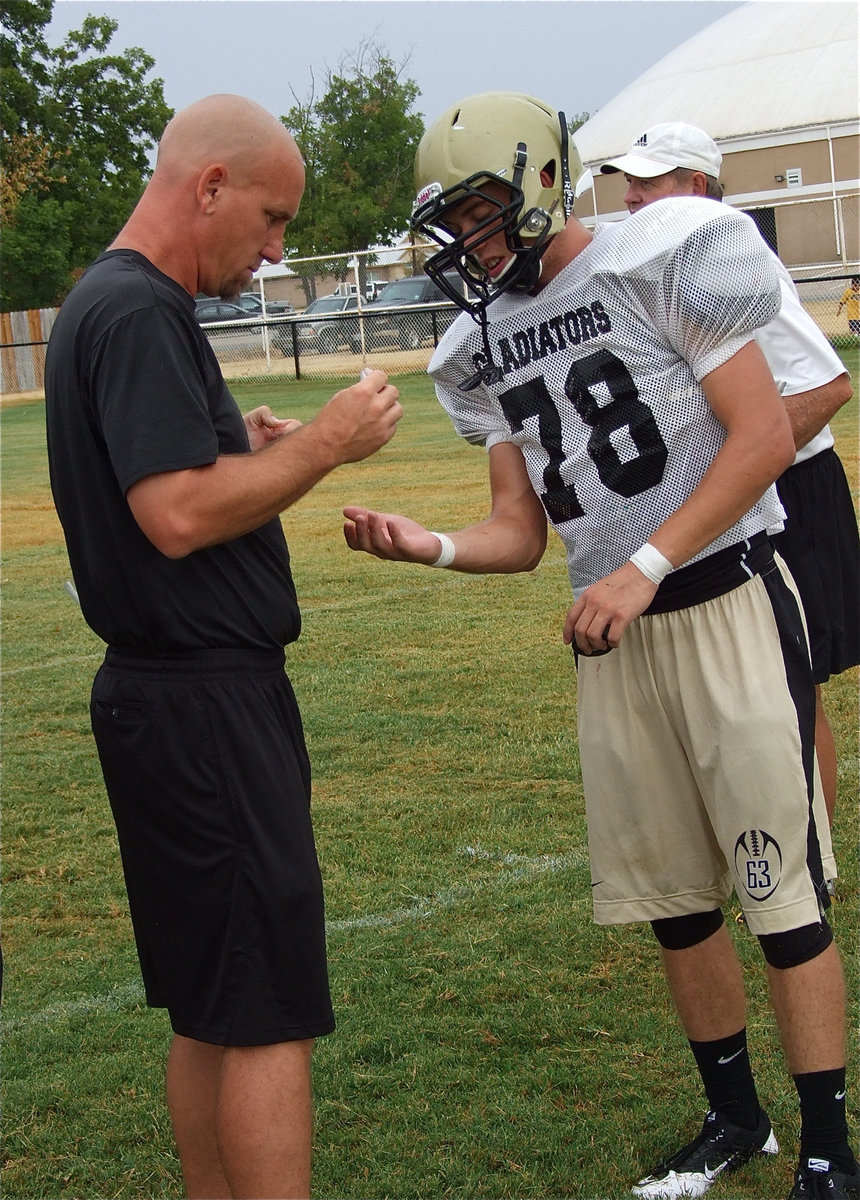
[[23, 338]]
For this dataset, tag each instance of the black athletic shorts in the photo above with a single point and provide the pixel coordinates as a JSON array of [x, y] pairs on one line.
[[821, 546], [208, 778]]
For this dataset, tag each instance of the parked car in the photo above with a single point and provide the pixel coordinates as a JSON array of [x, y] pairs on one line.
[[322, 326], [252, 304], [383, 325], [210, 309], [216, 316]]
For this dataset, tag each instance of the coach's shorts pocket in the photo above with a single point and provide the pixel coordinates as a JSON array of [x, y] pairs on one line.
[[118, 711]]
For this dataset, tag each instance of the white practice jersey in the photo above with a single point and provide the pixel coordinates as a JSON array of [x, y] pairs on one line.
[[799, 355], [601, 386]]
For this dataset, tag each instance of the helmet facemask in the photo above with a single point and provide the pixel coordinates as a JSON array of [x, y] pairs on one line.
[[513, 153], [508, 215]]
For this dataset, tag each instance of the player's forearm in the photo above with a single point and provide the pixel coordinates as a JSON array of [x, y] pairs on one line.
[[810, 411], [513, 537], [757, 449], [496, 546], [738, 477]]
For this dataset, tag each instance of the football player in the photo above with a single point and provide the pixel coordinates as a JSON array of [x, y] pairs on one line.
[[616, 384]]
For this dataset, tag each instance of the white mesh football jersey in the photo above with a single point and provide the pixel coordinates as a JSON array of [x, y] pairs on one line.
[[601, 375]]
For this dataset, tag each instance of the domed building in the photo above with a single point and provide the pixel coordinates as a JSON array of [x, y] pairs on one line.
[[775, 84]]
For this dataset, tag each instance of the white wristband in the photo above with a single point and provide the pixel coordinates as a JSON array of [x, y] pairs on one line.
[[653, 565], [446, 554]]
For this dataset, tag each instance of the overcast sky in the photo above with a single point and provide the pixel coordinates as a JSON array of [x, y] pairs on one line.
[[574, 54]]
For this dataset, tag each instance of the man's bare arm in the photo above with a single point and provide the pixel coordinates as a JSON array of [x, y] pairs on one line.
[[183, 511], [810, 411]]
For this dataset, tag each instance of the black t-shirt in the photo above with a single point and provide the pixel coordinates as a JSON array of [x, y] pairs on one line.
[[133, 389]]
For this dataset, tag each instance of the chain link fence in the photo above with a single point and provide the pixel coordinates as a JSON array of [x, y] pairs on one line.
[[813, 230], [833, 302], [375, 308], [344, 322], [23, 341]]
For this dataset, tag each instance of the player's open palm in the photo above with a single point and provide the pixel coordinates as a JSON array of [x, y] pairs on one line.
[[388, 535]]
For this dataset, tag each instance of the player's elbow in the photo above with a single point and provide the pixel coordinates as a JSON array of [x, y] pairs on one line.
[[842, 389], [536, 550], [530, 544]]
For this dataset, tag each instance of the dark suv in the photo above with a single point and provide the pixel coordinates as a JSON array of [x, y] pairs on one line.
[[384, 325]]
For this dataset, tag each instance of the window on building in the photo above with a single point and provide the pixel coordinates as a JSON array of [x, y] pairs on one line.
[[765, 218]]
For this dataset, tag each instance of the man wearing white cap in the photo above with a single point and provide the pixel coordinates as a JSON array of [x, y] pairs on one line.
[[662, 154], [677, 159]]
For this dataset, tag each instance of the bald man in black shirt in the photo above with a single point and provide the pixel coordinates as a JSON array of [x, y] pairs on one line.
[[170, 502]]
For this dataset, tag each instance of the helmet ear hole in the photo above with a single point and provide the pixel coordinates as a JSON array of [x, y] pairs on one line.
[[547, 175]]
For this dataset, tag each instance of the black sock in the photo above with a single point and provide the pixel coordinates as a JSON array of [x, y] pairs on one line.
[[724, 1066], [823, 1124]]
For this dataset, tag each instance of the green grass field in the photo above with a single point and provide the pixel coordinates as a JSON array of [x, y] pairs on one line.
[[491, 1042]]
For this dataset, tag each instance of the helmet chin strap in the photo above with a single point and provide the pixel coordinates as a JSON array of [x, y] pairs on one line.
[[568, 194], [531, 272], [488, 372]]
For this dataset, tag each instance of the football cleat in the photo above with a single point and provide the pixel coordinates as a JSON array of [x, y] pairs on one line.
[[721, 1146], [817, 1179]]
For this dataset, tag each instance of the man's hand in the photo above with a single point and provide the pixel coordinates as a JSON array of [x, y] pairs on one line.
[[358, 420], [598, 619], [389, 536], [264, 427]]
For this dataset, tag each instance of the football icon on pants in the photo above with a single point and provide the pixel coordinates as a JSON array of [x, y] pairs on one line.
[[758, 863]]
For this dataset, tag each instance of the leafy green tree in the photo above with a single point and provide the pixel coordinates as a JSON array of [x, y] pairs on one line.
[[23, 68], [78, 125], [36, 251], [359, 143]]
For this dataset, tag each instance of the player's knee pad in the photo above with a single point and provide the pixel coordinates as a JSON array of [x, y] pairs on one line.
[[796, 946], [679, 933]]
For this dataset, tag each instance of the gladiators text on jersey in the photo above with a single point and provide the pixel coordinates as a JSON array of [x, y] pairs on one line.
[[548, 337]]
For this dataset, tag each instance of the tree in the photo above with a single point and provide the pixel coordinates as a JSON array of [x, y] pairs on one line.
[[23, 71], [78, 125], [359, 143], [36, 254]]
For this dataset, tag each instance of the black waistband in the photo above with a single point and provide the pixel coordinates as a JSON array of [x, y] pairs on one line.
[[713, 576], [230, 661], [823, 459]]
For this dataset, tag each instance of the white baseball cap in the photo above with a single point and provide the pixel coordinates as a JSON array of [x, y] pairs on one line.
[[663, 148]]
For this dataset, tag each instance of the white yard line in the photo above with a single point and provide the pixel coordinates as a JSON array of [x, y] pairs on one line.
[[520, 868]]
